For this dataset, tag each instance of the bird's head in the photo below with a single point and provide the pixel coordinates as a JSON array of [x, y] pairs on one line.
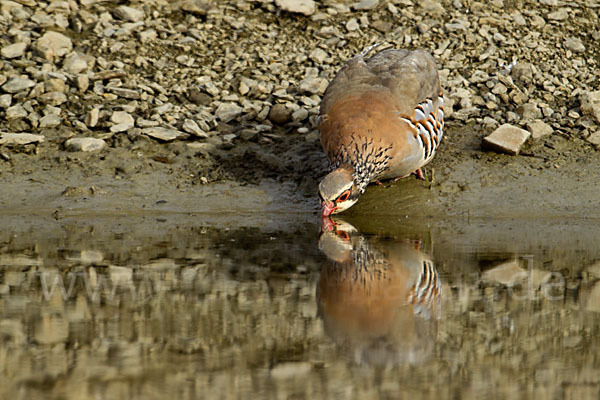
[[338, 191]]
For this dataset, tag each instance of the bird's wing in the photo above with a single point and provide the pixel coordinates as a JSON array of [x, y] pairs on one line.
[[409, 76]]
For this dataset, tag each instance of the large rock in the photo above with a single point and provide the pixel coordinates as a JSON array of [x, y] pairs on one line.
[[53, 44], [85, 144], [590, 104], [306, 7], [506, 139]]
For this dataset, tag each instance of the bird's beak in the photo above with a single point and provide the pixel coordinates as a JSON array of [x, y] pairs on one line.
[[327, 208]]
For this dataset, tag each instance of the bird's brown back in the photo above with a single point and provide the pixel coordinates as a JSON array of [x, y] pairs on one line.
[[372, 99]]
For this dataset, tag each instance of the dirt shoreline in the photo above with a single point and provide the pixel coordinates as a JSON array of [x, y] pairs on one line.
[[243, 122]]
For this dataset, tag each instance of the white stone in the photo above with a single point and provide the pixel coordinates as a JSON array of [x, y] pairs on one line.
[[53, 44], [53, 98], [91, 119], [590, 104], [365, 4], [539, 128], [352, 25], [165, 134], [190, 126], [306, 7], [75, 63], [85, 144], [506, 139], [300, 114], [14, 50], [17, 84], [228, 111], [5, 100], [128, 13], [575, 45], [15, 112], [313, 85], [50, 121], [20, 138], [318, 55], [122, 117]]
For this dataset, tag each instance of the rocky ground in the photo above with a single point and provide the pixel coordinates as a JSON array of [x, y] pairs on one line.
[[198, 91]]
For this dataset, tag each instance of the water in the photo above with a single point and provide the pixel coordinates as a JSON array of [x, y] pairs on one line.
[[190, 306]]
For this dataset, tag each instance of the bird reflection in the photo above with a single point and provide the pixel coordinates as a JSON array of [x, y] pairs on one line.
[[379, 297]]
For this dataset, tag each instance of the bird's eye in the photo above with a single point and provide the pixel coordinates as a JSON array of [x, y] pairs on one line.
[[344, 196]]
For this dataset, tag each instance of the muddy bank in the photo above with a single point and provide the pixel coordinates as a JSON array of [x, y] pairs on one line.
[[171, 104]]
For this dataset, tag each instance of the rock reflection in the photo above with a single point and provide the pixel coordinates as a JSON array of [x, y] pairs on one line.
[[379, 298]]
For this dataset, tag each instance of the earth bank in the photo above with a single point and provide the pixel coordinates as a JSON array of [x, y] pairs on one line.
[[165, 98]]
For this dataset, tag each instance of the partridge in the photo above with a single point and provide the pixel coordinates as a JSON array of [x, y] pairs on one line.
[[381, 117], [378, 298]]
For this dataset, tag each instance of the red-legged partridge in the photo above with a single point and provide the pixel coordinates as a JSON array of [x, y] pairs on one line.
[[381, 117]]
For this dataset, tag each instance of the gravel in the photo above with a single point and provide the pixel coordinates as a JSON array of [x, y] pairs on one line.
[[195, 71]]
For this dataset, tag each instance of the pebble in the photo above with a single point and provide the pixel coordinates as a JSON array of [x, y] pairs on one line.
[[190, 126], [20, 138], [91, 118], [313, 85], [53, 44], [16, 112], [53, 98], [590, 104], [130, 14], [198, 7], [539, 129], [85, 144], [529, 111], [280, 114], [164, 134], [125, 93], [559, 15], [5, 100], [305, 7], [506, 139], [352, 25], [17, 84], [594, 138], [14, 50], [50, 121], [365, 5], [318, 55], [74, 63], [55, 85], [575, 45], [300, 114], [228, 111], [122, 121]]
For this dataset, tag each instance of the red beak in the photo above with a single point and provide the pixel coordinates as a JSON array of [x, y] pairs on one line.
[[327, 208]]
